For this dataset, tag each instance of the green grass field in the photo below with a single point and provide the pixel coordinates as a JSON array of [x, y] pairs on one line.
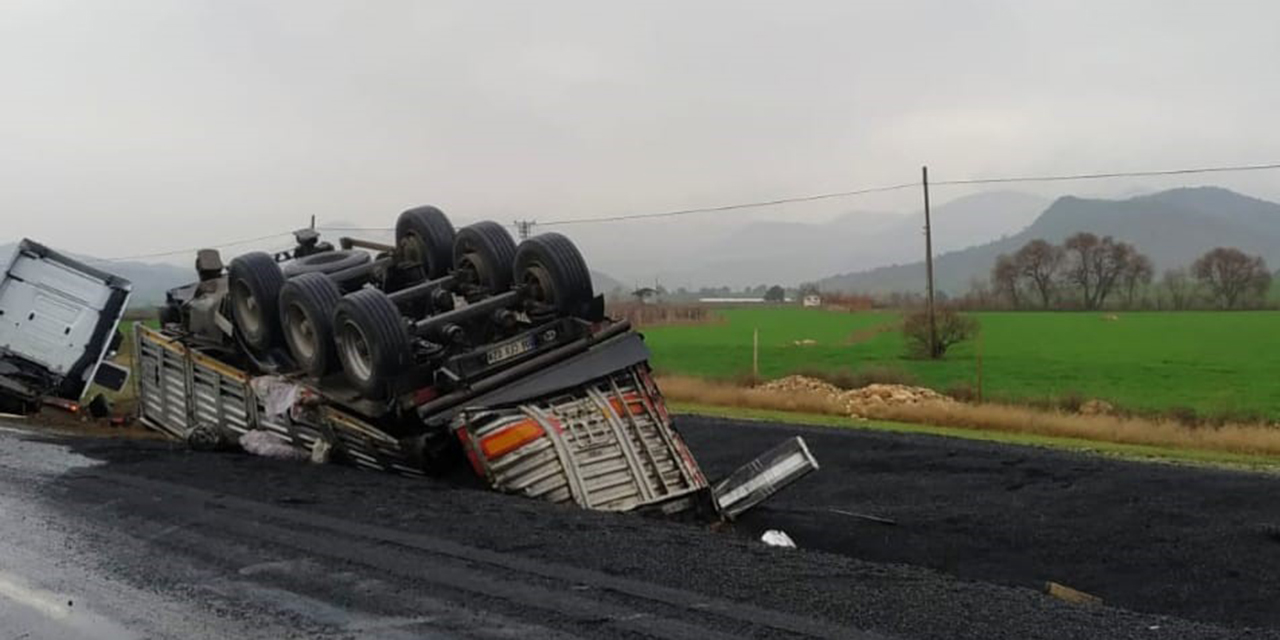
[[1209, 361]]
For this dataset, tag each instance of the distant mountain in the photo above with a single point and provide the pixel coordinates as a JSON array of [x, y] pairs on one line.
[[1172, 227], [791, 252], [152, 280]]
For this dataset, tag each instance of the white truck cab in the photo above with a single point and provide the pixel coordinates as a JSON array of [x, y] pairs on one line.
[[58, 320]]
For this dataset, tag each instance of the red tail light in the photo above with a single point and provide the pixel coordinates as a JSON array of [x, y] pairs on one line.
[[510, 438]]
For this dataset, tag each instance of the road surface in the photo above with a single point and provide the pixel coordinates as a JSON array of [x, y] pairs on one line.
[[122, 539]]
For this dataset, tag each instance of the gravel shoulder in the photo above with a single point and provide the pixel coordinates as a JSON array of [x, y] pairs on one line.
[[907, 581], [1195, 542]]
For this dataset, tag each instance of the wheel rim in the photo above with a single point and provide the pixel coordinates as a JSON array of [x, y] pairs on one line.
[[470, 270], [247, 311], [537, 281], [302, 333], [413, 250], [355, 351]]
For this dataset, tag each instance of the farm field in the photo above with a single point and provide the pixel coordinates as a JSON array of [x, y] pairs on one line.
[[1207, 361]]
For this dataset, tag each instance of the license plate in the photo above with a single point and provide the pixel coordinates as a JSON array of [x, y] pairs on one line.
[[509, 350]]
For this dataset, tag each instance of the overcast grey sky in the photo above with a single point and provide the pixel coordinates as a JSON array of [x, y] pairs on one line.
[[130, 126]]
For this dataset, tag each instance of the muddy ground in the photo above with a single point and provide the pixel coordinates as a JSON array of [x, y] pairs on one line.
[[1175, 552]]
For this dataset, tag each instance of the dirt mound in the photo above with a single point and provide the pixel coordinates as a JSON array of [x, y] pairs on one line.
[[801, 384], [861, 402], [864, 401]]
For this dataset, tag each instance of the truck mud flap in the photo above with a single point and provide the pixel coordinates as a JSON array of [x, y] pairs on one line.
[[759, 479]]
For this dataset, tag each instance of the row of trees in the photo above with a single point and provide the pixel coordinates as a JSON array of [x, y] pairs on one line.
[[1087, 271]]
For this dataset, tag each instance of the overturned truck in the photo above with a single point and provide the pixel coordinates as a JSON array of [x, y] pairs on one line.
[[446, 346]]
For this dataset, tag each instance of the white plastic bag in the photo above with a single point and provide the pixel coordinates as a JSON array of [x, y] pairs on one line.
[[776, 538], [261, 443], [278, 394]]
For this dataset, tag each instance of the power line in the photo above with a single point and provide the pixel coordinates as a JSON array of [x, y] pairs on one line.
[[729, 207], [1114, 174], [778, 201], [182, 251]]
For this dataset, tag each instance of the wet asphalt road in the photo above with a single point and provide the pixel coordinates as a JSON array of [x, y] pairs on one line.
[[120, 539], [87, 552]]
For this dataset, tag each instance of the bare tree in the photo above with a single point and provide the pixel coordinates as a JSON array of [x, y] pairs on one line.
[[1081, 249], [1138, 271], [1040, 262], [1180, 289], [953, 327], [1232, 276], [1095, 265], [1004, 279]]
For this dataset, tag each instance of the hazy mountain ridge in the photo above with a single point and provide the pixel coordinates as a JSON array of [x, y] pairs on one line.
[[789, 253], [152, 280], [1173, 227]]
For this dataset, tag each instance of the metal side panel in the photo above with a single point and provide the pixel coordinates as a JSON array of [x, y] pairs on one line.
[[163, 374], [179, 389], [759, 479], [606, 445]]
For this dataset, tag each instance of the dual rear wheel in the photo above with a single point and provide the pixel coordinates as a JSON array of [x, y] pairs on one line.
[[364, 332]]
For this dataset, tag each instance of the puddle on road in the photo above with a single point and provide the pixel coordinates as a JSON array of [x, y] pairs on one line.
[[30, 612], [36, 455]]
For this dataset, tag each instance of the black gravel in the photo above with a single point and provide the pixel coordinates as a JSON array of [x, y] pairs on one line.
[[1187, 541], [1002, 519]]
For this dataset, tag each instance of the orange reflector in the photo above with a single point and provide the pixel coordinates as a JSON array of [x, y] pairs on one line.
[[510, 439]]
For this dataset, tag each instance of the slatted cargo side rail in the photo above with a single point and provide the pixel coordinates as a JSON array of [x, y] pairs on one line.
[[609, 446], [180, 389]]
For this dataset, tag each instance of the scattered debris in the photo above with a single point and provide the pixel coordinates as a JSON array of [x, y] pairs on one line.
[[1067, 594], [1097, 407], [320, 451], [261, 443], [99, 406], [807, 342], [865, 516], [776, 538], [205, 437]]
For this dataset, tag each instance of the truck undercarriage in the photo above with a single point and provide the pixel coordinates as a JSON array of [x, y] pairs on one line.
[[448, 345]]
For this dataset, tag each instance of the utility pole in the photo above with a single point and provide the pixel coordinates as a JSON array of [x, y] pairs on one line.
[[524, 227], [928, 263]]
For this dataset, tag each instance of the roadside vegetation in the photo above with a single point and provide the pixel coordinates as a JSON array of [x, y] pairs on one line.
[[1253, 444], [1204, 366]]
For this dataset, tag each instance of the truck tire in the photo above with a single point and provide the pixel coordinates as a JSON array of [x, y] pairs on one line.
[[554, 273], [372, 342], [254, 281], [424, 242], [326, 262], [307, 303], [483, 255]]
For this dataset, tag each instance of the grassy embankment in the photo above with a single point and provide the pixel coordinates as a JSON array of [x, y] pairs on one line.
[[1158, 367]]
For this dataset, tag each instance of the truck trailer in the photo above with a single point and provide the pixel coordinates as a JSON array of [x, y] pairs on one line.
[[448, 346]]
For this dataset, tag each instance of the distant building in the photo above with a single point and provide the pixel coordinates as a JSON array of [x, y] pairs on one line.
[[731, 300], [812, 300]]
